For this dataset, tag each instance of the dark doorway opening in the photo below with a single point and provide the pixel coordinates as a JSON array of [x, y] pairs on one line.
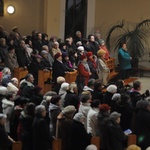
[[75, 17]]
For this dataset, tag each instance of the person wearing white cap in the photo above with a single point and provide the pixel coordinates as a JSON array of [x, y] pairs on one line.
[[5, 140], [111, 90], [79, 138]]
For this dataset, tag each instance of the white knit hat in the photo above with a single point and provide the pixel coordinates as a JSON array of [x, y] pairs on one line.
[[69, 109], [116, 97], [91, 147], [11, 87], [112, 88], [3, 90], [80, 48], [78, 117], [64, 86], [2, 116]]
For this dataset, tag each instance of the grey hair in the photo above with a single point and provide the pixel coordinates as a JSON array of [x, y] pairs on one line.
[[39, 109], [5, 70]]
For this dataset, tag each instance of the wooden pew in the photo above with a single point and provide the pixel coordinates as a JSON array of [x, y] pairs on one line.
[[71, 76], [96, 142], [56, 144], [111, 65], [130, 80], [131, 139], [43, 77], [17, 145], [20, 73]]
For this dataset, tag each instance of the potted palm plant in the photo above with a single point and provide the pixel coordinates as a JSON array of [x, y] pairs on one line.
[[136, 39]]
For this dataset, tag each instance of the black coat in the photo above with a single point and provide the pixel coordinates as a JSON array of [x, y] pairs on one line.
[[135, 97], [59, 69], [79, 138], [114, 137], [4, 141], [41, 134], [143, 128], [126, 115]]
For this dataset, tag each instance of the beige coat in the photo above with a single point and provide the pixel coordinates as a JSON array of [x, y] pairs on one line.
[[103, 71]]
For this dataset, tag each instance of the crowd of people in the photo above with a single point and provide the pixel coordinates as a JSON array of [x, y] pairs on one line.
[[72, 112]]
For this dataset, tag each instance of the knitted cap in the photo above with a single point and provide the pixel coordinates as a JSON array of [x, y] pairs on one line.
[[69, 109], [112, 88], [101, 52]]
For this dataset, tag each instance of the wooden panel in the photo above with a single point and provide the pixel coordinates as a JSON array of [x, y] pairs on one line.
[[71, 76], [42, 78], [96, 142], [131, 139], [20, 73], [111, 63], [17, 145], [56, 145]]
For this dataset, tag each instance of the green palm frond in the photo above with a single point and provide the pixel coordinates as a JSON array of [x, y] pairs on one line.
[[118, 26], [136, 39]]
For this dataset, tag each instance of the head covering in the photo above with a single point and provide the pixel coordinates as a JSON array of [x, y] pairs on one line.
[[64, 86], [80, 48], [83, 57], [11, 87], [57, 55], [104, 107], [134, 147], [112, 88], [91, 147], [101, 52], [101, 41], [3, 90], [114, 116], [116, 97], [69, 109], [60, 79], [15, 27], [38, 56], [43, 52], [2, 116], [78, 117], [88, 54]]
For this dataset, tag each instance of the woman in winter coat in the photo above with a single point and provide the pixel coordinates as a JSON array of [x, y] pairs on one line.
[[8, 105], [84, 70], [5, 140], [103, 70], [79, 139], [124, 59], [25, 124], [54, 110], [64, 121], [142, 124], [41, 137], [114, 137]]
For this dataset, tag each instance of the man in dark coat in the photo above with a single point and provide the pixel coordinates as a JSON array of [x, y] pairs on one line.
[[22, 55], [59, 68]]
